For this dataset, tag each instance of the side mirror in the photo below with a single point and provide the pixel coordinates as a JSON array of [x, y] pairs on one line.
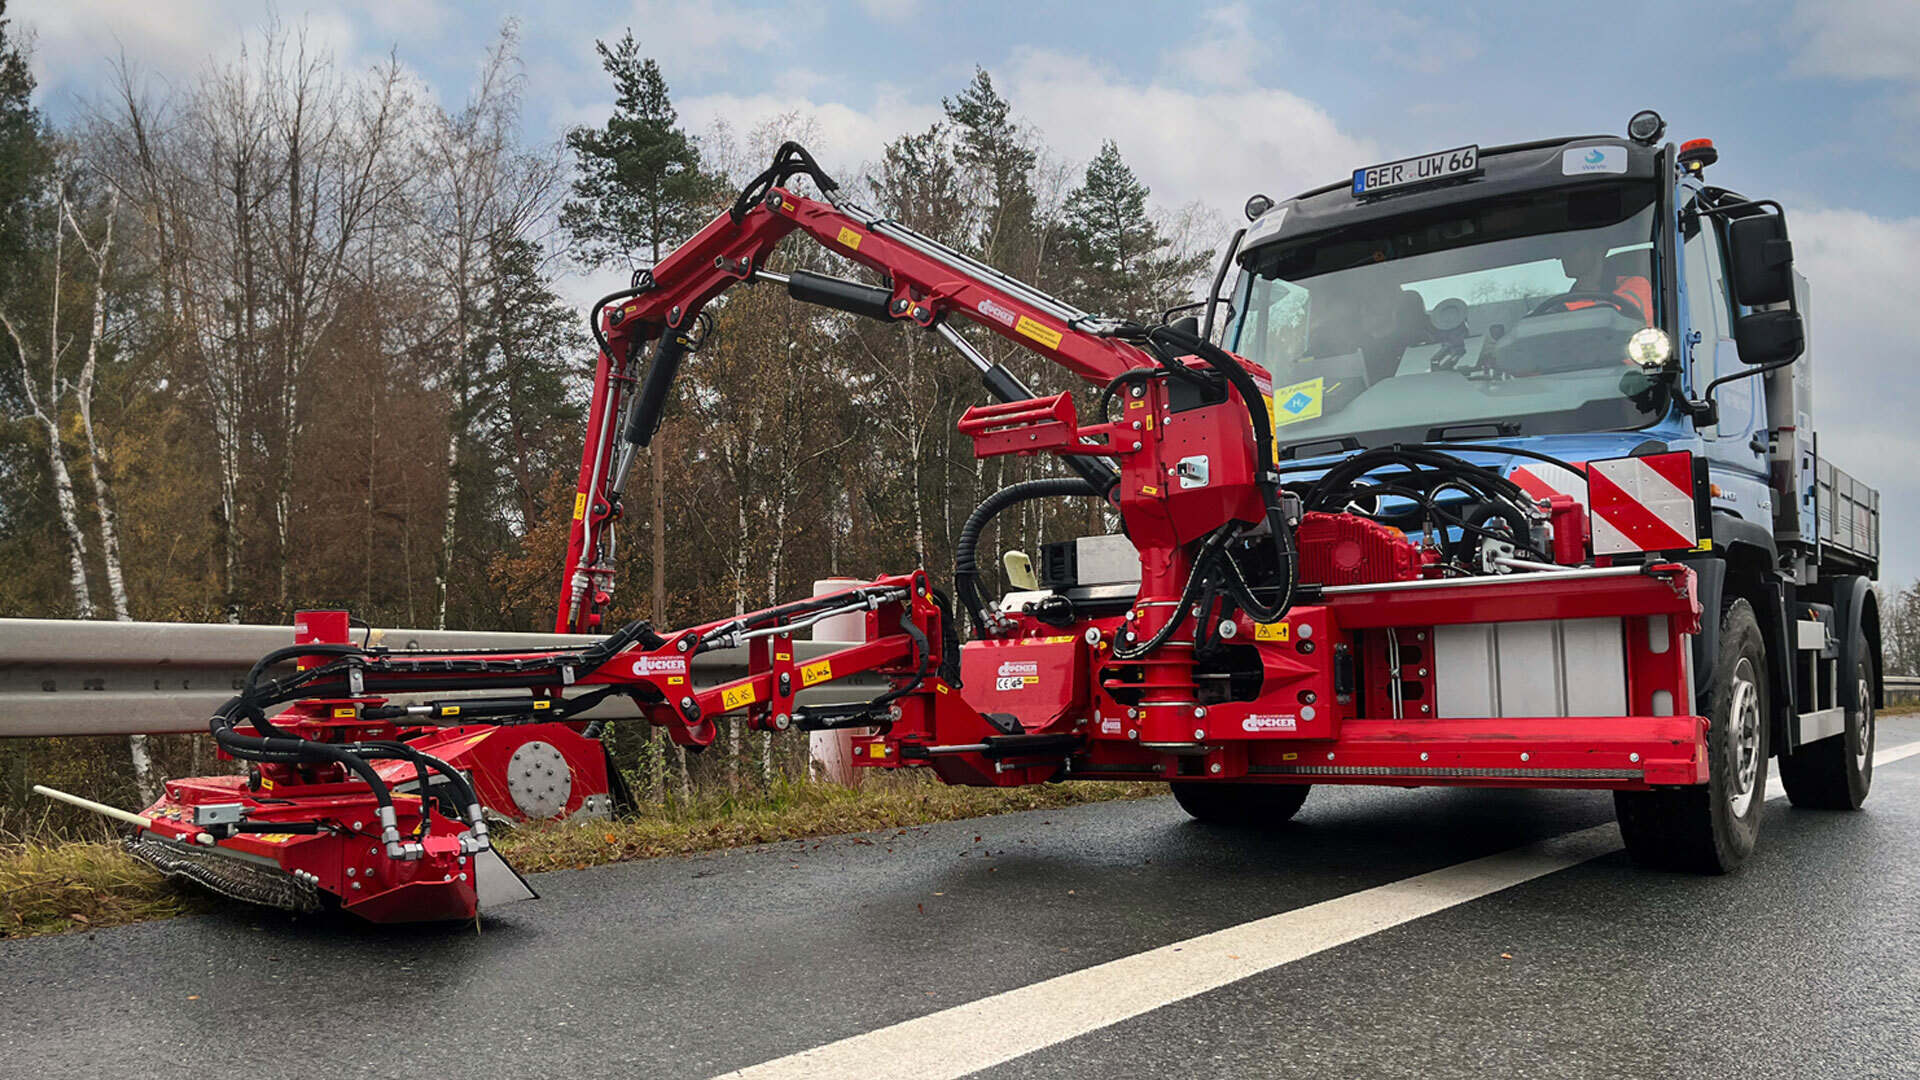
[[1760, 260], [1766, 337]]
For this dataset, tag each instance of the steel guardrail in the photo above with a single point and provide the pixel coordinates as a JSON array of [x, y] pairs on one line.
[[62, 677]]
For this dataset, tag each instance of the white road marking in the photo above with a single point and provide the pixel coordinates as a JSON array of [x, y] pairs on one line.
[[981, 1034]]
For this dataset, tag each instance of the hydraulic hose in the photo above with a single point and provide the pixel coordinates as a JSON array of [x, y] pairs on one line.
[[966, 570]]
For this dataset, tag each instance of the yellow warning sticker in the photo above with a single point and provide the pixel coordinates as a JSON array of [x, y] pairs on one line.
[[817, 672], [1149, 489], [737, 696], [783, 656], [849, 238], [449, 710], [344, 712], [879, 749], [579, 505], [1271, 631], [1301, 401], [1039, 332], [273, 837], [676, 680], [542, 703]]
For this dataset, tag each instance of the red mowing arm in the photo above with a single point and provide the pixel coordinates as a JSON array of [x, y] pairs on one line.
[[927, 282]]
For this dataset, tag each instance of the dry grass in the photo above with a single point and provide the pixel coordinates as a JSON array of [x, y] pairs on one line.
[[50, 886]]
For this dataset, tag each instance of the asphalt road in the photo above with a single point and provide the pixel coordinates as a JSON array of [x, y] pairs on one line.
[[1804, 964]]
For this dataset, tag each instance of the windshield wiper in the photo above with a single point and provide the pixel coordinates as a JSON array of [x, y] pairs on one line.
[[1475, 430]]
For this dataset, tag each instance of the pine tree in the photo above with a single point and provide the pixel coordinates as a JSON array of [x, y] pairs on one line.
[[1126, 266], [641, 189], [990, 142]]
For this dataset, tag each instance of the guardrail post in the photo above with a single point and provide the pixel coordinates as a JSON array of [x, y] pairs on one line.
[[832, 751]]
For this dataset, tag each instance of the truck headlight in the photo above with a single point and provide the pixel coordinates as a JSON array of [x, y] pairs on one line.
[[1649, 348]]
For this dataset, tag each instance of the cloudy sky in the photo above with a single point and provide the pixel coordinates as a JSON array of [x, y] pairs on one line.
[[1813, 102]]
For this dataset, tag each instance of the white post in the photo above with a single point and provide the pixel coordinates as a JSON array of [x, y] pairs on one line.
[[833, 750]]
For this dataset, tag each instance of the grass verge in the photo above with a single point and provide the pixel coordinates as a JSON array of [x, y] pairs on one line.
[[54, 886]]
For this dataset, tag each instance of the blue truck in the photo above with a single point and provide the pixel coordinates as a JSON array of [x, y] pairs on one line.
[[1543, 305]]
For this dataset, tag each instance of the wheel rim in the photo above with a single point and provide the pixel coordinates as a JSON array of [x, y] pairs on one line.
[[1743, 738], [1863, 748]]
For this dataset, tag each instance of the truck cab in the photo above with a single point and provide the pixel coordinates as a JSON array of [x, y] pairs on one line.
[[1557, 302]]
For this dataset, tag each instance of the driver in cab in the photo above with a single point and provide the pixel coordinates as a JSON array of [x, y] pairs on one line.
[[1585, 261]]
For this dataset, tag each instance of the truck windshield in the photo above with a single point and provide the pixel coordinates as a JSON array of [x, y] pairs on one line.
[[1505, 317]]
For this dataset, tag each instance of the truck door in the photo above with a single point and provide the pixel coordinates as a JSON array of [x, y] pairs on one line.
[[1730, 445]]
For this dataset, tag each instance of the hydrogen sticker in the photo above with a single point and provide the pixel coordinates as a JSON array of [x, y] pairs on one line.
[[1301, 401], [1281, 722], [660, 665], [1581, 160]]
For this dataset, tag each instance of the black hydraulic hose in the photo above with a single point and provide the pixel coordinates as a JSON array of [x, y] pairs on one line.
[[966, 570]]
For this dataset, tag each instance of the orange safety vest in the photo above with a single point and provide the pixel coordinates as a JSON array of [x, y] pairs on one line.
[[1635, 288]]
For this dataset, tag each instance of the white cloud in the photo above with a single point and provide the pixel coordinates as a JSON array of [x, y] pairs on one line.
[[1215, 146], [1227, 52], [1857, 39], [1864, 332]]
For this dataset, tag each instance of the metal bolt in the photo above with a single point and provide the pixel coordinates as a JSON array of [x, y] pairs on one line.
[[1229, 628], [1137, 391], [686, 703], [683, 645], [350, 871], [901, 305], [1423, 673], [1136, 425], [1132, 713], [1423, 755], [1200, 712], [782, 721], [919, 313], [1307, 697], [1214, 768], [1421, 636], [1199, 733], [1093, 635], [354, 885], [1524, 756], [1426, 708], [1132, 734], [357, 826], [1136, 444], [1633, 757], [1329, 755]]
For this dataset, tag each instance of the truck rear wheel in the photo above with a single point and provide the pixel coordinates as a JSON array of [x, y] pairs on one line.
[[1240, 805], [1836, 772], [1711, 828]]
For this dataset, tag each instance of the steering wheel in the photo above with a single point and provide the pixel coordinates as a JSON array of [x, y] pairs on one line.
[[1625, 305]]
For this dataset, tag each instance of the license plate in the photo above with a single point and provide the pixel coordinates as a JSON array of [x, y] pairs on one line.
[[1425, 169]]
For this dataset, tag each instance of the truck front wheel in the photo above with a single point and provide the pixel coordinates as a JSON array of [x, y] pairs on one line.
[[1240, 805], [1711, 828]]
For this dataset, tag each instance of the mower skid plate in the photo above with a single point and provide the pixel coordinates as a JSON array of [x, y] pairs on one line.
[[1609, 752]]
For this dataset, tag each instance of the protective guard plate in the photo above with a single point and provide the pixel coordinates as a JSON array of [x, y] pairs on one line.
[[495, 883]]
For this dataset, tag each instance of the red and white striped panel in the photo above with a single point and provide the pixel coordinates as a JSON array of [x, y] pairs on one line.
[[1542, 479], [1643, 504]]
